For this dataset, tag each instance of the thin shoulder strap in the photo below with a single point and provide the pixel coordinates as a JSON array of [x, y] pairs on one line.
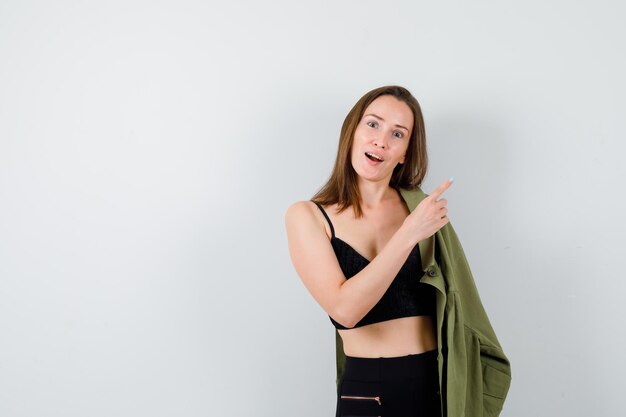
[[332, 229]]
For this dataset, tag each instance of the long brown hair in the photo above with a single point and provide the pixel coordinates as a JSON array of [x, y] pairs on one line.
[[342, 186]]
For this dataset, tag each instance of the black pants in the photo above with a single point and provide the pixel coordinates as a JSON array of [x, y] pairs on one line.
[[402, 386]]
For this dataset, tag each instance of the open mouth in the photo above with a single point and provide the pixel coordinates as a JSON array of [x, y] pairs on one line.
[[373, 157]]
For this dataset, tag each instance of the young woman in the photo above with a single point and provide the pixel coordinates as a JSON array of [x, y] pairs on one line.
[[355, 247]]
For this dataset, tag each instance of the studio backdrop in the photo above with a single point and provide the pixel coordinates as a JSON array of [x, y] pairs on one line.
[[149, 151]]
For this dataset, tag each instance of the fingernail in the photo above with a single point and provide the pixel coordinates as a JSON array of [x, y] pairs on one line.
[[452, 178]]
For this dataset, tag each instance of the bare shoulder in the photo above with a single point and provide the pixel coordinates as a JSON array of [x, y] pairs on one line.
[[302, 213], [299, 208]]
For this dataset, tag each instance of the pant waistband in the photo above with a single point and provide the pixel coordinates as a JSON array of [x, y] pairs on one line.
[[393, 368]]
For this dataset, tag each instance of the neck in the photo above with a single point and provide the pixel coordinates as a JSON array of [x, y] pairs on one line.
[[375, 194]]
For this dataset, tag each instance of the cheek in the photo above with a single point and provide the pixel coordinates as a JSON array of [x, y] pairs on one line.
[[357, 142], [356, 152], [360, 132]]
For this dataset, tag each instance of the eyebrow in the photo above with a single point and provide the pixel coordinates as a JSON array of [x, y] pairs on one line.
[[380, 118]]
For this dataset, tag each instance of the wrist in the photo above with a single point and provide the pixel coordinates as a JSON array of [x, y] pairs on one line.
[[410, 236]]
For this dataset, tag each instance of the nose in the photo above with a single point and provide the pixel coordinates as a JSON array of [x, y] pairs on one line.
[[380, 142]]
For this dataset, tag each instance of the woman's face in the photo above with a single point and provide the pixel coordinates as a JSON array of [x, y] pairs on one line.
[[384, 130]]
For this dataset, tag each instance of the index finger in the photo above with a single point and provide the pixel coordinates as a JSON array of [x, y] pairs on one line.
[[443, 187]]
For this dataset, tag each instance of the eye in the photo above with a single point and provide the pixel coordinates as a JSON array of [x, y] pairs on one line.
[[398, 134], [372, 123]]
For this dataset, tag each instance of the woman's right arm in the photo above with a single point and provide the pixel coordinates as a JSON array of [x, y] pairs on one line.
[[347, 301]]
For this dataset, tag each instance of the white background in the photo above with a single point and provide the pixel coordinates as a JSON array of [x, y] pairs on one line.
[[149, 150]]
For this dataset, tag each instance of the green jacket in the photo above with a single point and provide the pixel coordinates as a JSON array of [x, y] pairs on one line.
[[474, 373]]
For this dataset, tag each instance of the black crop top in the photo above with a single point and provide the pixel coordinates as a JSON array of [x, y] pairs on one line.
[[405, 297]]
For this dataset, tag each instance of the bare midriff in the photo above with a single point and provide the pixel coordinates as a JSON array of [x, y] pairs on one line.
[[391, 338]]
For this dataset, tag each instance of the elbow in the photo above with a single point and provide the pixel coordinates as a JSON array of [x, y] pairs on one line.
[[344, 317], [343, 310]]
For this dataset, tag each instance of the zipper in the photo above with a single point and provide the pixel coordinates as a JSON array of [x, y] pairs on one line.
[[354, 397]]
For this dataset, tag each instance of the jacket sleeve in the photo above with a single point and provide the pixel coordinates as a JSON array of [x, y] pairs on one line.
[[488, 368], [340, 358]]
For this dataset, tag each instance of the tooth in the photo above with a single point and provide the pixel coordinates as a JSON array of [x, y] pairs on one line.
[[374, 156]]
